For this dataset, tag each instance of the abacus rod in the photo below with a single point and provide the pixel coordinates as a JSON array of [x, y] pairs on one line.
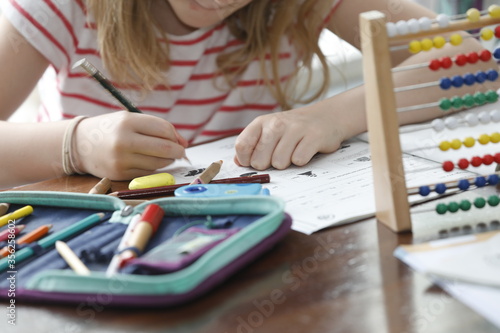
[[417, 107], [405, 46], [417, 86], [409, 67], [449, 184]]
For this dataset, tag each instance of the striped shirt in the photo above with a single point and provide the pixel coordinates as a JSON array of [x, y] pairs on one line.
[[198, 104]]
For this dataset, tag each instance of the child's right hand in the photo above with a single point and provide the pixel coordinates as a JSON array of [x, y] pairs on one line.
[[124, 145]]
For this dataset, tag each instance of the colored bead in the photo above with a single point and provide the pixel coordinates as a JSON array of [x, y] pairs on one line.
[[480, 182], [491, 96], [465, 205], [492, 75], [495, 137], [457, 81], [486, 34], [424, 191], [426, 44], [495, 116], [484, 139], [468, 100], [451, 123], [457, 102], [469, 79], [440, 188], [496, 52], [484, 117], [479, 98], [485, 55], [402, 27], [415, 46], [439, 42], [443, 20], [493, 179], [473, 15], [391, 29], [425, 23], [471, 118], [472, 58], [445, 104], [479, 202], [461, 59], [476, 161], [488, 159], [413, 26], [445, 83], [456, 39], [481, 77], [494, 11], [456, 144], [438, 125], [493, 200], [441, 208], [463, 164], [469, 142], [463, 184], [448, 166], [434, 65], [497, 31], [497, 157], [446, 62], [453, 207], [445, 145]]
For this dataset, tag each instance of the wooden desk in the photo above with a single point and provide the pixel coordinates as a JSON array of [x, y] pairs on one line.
[[344, 279]]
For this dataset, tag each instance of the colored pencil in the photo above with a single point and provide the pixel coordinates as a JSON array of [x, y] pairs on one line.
[[71, 258], [4, 235], [102, 187], [30, 237], [4, 207], [21, 212], [209, 173]]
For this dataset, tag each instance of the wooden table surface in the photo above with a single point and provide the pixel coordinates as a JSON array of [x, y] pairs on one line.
[[343, 279]]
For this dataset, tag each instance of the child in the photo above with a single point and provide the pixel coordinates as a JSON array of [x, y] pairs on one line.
[[198, 69]]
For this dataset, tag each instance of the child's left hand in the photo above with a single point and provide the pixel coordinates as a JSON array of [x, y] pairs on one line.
[[283, 138]]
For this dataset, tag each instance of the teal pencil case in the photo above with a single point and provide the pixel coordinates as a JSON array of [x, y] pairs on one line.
[[199, 243]]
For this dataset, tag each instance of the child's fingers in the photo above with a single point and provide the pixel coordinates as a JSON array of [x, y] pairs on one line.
[[246, 143]]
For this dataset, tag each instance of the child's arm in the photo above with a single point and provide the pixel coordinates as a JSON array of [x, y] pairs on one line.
[[295, 136], [119, 145]]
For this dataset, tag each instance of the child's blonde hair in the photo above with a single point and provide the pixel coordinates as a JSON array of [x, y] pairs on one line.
[[135, 58]]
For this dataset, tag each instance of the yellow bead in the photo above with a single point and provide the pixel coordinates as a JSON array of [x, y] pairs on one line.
[[439, 42], [456, 144], [456, 39], [494, 11], [495, 137], [427, 44], [473, 15], [484, 139], [445, 145], [415, 46], [469, 142], [487, 34]]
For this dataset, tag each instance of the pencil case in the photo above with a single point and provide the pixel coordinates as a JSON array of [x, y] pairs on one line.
[[200, 243]]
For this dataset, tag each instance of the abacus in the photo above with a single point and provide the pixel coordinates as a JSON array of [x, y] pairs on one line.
[[380, 37]]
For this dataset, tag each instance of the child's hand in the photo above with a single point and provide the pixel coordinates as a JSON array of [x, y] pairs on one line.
[[124, 145], [281, 139]]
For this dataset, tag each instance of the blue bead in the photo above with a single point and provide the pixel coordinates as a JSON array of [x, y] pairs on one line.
[[480, 181], [463, 184], [493, 179], [492, 75], [469, 79], [445, 83], [481, 77], [457, 81], [424, 191], [440, 188], [496, 53]]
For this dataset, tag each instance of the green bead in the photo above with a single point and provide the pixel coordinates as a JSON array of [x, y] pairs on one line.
[[465, 205], [457, 102], [491, 96], [493, 200], [445, 104], [479, 98], [441, 208], [453, 207], [479, 202], [468, 100]]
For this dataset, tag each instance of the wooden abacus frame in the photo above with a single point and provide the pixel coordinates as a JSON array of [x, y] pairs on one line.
[[391, 196]]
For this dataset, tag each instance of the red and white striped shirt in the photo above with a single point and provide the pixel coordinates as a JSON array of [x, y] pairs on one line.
[[199, 109]]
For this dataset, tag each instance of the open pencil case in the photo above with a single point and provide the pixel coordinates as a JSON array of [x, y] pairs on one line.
[[235, 231]]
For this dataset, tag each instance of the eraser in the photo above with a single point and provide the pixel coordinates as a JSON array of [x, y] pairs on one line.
[[159, 179]]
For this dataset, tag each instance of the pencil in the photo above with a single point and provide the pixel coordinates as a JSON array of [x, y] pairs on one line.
[[4, 235], [30, 237], [209, 173], [71, 258], [4, 207], [102, 187], [96, 74], [21, 212]]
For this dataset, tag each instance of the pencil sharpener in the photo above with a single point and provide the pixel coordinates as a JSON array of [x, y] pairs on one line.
[[220, 190]]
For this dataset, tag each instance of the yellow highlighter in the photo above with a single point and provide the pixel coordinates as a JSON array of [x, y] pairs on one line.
[[21, 212], [159, 179]]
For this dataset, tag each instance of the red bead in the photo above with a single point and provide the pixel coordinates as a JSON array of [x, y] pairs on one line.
[[497, 157], [463, 164], [446, 62], [497, 31], [461, 59], [476, 161], [488, 159], [435, 65], [485, 55], [472, 57], [448, 166]]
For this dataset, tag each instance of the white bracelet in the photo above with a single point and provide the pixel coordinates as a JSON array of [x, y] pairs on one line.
[[69, 167]]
